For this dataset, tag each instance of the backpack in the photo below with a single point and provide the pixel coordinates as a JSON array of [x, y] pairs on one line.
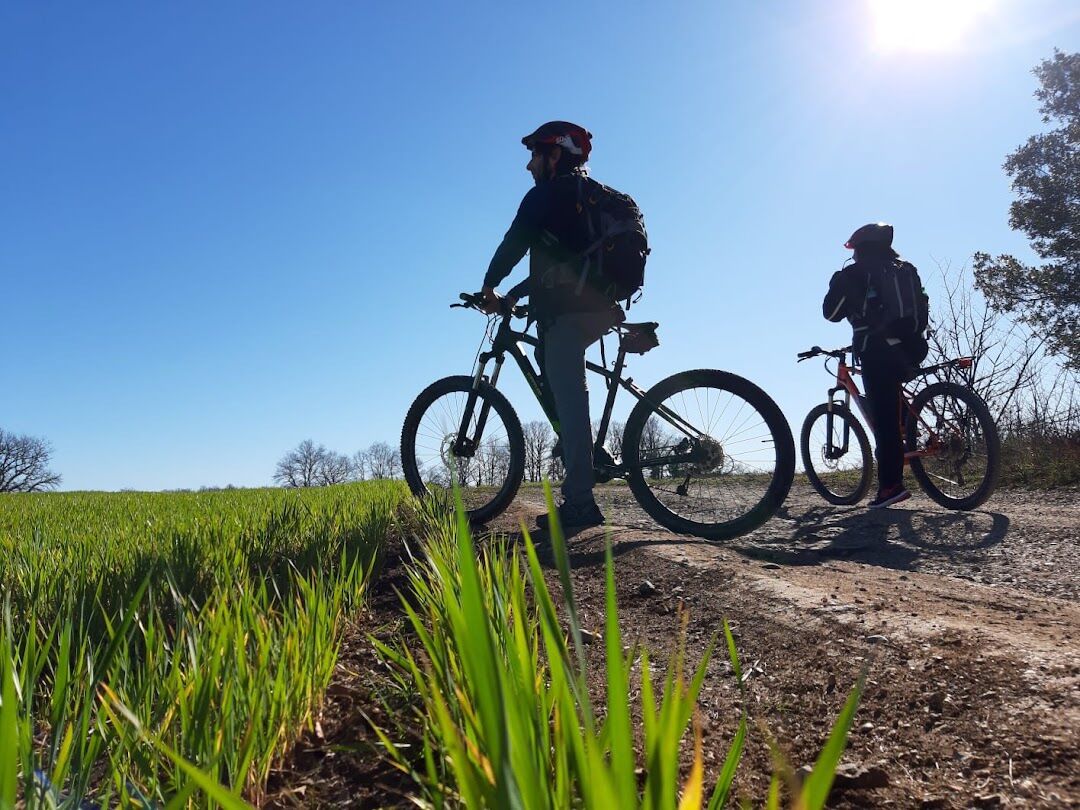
[[615, 256], [896, 305]]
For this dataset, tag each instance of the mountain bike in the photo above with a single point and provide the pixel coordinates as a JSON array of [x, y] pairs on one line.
[[950, 440], [704, 452]]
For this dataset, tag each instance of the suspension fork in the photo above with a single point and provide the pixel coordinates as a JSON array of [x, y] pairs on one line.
[[464, 445], [831, 451]]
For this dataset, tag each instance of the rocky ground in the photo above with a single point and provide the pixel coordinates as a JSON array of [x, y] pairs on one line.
[[966, 623]]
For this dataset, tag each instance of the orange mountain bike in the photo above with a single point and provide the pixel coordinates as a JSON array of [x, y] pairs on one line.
[[950, 440]]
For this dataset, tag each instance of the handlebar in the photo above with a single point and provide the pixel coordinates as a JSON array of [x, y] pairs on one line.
[[814, 351], [476, 301]]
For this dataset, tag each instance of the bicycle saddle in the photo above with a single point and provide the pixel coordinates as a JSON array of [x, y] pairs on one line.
[[638, 338]]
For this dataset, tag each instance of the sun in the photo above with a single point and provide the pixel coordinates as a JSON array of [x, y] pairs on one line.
[[927, 25]]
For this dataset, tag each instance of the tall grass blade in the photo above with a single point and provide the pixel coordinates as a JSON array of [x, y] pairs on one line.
[[731, 763], [9, 721], [618, 692], [816, 788]]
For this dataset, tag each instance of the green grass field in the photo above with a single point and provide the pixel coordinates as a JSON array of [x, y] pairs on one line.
[[145, 631]]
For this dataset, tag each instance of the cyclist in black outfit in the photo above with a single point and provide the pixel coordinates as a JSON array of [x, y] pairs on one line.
[[887, 359], [571, 312]]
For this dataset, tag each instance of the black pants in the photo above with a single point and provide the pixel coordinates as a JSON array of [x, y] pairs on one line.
[[884, 368]]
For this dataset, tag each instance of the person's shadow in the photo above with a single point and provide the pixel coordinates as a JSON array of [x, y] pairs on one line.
[[892, 538]]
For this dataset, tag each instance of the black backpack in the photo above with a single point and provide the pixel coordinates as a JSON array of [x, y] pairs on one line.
[[618, 246], [896, 305]]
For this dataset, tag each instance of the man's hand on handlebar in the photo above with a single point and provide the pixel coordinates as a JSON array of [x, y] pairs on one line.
[[495, 304]]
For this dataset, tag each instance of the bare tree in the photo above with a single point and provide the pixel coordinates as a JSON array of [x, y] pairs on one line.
[[383, 461], [537, 448], [336, 468], [615, 438], [556, 470], [492, 462], [653, 441], [1010, 366], [24, 464], [301, 467], [359, 464]]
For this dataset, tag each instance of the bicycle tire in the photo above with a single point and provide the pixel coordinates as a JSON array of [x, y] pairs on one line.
[[781, 456], [480, 507], [956, 447], [829, 490]]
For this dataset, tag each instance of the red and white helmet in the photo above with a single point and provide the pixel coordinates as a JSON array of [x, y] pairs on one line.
[[876, 233], [574, 139]]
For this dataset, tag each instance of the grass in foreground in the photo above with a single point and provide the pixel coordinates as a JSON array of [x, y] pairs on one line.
[[503, 705], [155, 647]]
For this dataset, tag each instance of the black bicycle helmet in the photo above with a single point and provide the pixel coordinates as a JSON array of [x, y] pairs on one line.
[[875, 233], [572, 138]]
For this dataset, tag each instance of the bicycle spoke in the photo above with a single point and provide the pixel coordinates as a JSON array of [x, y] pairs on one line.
[[480, 473], [726, 472], [953, 435]]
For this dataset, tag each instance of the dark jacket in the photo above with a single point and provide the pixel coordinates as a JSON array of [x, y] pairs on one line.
[[847, 292], [550, 226]]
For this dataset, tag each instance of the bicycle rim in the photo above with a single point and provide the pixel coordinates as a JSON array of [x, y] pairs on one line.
[[958, 440], [709, 454], [841, 476], [487, 473]]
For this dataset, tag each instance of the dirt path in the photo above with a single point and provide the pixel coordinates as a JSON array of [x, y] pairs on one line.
[[967, 622]]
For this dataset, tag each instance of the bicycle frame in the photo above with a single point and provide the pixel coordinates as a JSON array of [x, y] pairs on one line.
[[507, 340]]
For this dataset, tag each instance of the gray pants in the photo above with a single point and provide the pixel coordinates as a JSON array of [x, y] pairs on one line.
[[564, 345]]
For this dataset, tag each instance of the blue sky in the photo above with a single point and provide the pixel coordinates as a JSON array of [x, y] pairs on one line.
[[225, 228]]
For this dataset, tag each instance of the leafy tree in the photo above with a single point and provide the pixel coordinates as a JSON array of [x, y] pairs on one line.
[[24, 464], [1046, 177]]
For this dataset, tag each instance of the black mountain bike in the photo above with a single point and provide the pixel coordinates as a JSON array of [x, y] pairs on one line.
[[704, 452]]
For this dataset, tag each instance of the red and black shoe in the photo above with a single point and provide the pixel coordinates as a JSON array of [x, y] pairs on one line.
[[574, 516], [888, 496]]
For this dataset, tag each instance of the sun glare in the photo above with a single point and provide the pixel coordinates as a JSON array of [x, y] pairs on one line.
[[928, 25]]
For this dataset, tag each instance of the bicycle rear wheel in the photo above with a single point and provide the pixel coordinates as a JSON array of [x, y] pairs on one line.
[[961, 453], [840, 476], [708, 453], [487, 468]]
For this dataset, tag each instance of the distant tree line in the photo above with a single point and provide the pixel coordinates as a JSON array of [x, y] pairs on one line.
[[311, 465]]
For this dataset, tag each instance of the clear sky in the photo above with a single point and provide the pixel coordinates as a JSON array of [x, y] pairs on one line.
[[228, 227]]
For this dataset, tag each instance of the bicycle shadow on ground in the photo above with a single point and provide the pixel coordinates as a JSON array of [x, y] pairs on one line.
[[585, 547], [890, 538]]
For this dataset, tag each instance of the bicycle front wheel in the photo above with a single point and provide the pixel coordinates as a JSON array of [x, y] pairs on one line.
[[959, 451], [486, 462], [840, 474], [708, 453]]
